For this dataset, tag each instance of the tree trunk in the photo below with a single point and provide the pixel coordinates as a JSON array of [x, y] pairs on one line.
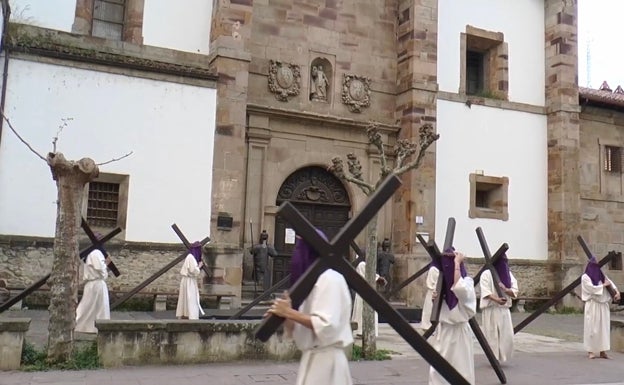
[[70, 177], [369, 340]]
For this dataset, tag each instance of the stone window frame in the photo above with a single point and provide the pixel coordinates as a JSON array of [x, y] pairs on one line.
[[132, 25], [608, 177], [495, 50], [123, 181], [496, 190], [612, 158], [616, 262]]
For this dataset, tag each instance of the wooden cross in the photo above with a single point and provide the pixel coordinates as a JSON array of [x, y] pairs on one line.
[[330, 256], [489, 264], [82, 254], [559, 295], [97, 243], [283, 282], [153, 277], [589, 255], [187, 244], [435, 253]]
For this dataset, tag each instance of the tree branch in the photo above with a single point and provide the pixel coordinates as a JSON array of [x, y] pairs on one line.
[[427, 137], [337, 169], [115, 159], [374, 137], [22, 139]]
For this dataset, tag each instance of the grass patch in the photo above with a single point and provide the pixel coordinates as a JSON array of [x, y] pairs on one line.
[[380, 354], [34, 360], [568, 310]]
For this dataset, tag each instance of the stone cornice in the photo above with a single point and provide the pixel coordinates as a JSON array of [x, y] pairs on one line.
[[66, 46], [494, 103], [309, 117]]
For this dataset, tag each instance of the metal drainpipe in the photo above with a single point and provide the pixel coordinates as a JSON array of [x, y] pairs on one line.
[[6, 13]]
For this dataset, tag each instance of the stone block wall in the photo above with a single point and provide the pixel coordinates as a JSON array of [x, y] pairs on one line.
[[23, 260], [12, 332]]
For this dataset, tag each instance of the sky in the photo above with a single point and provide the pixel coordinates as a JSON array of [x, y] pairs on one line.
[[600, 48]]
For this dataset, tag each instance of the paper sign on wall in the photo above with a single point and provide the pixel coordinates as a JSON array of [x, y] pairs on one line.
[[289, 237]]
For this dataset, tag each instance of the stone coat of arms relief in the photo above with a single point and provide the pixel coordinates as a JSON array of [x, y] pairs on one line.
[[356, 92], [284, 80]]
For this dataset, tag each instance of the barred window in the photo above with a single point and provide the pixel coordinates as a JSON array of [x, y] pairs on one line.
[[103, 204], [613, 159]]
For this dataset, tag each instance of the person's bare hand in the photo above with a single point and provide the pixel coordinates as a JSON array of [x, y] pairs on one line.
[[281, 306], [606, 283], [459, 257], [502, 286], [616, 298], [434, 295]]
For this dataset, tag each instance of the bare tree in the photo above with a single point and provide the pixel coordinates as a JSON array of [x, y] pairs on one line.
[[408, 156], [71, 177]]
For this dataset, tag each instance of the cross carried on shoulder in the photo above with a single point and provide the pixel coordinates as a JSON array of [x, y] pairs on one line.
[[489, 264], [435, 254], [98, 243], [330, 256], [563, 292], [157, 274], [187, 244]]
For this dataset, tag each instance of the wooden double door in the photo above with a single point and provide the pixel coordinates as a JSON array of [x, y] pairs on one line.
[[321, 198]]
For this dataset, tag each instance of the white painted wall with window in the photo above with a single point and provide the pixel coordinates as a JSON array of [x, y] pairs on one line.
[[181, 25], [525, 38], [501, 143], [169, 126]]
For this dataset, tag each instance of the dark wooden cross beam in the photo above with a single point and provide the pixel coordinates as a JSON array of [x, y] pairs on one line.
[[331, 257], [498, 254], [559, 295], [36, 285], [99, 244], [283, 283], [187, 244], [157, 274], [589, 255], [434, 252], [436, 255], [489, 264]]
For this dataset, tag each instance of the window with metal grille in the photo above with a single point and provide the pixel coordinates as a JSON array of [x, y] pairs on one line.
[[108, 19], [475, 72], [103, 204], [613, 159]]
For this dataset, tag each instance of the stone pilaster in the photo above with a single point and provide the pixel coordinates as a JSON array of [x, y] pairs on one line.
[[230, 59], [416, 105], [563, 129]]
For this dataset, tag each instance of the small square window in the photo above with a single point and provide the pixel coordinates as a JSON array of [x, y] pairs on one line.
[[105, 203], [484, 64], [488, 197]]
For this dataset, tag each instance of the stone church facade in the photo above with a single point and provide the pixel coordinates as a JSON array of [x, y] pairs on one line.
[[378, 61]]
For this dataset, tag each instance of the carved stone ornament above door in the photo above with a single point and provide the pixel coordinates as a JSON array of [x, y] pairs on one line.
[[356, 92], [284, 80]]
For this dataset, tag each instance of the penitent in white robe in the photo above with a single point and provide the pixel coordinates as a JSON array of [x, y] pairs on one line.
[[497, 323], [188, 298], [94, 303], [453, 338], [323, 359], [597, 320], [358, 305], [431, 283]]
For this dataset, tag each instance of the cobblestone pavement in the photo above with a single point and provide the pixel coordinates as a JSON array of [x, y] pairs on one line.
[[548, 351]]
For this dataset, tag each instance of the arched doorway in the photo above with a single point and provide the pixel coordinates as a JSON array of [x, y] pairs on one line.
[[321, 198]]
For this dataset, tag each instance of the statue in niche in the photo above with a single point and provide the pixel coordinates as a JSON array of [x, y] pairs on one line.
[[318, 84]]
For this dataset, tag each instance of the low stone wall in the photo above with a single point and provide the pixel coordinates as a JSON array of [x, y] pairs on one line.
[[617, 334], [12, 331], [24, 260], [186, 342]]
